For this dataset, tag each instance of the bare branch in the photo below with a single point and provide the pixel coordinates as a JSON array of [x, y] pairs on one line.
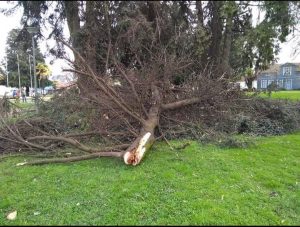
[[76, 144], [131, 85], [74, 159], [104, 87], [179, 104]]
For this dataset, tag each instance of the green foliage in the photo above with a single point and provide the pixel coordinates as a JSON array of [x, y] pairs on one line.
[[68, 110], [249, 72], [200, 185], [5, 105], [43, 72], [202, 39], [259, 45], [280, 17], [19, 43], [270, 117], [175, 28], [272, 87]]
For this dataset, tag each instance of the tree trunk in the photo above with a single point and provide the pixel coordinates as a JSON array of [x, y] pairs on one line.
[[214, 51], [134, 154], [225, 66], [73, 21], [90, 40], [249, 82], [199, 13], [227, 40]]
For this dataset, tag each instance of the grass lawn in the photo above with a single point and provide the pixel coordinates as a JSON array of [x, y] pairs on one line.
[[291, 95], [200, 185]]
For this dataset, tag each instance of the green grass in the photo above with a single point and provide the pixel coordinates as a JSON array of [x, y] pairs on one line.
[[291, 95], [200, 185], [25, 105]]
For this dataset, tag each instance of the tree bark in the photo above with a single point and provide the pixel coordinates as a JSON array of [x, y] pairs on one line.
[[181, 103], [226, 68], [73, 21], [249, 82], [90, 41], [72, 159], [134, 154], [199, 13], [214, 51]]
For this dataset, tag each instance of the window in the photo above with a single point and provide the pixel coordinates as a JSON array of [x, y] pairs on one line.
[[280, 83], [263, 84], [288, 84], [287, 71]]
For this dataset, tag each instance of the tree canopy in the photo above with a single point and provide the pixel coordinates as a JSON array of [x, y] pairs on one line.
[[215, 32], [19, 50]]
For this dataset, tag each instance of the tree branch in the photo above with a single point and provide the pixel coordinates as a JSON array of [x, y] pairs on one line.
[[179, 104], [76, 144], [104, 87], [131, 85], [74, 159]]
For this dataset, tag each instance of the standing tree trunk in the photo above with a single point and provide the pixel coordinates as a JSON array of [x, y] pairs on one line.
[[90, 43], [214, 51], [225, 65], [73, 20], [249, 82], [199, 13]]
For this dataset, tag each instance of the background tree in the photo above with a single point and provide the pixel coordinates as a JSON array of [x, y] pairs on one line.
[[216, 33], [258, 46], [19, 42], [43, 72], [2, 78]]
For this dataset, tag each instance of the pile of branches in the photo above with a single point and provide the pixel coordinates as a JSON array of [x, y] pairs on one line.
[[54, 127], [70, 119]]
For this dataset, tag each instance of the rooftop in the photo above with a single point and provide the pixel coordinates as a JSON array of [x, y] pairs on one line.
[[275, 68]]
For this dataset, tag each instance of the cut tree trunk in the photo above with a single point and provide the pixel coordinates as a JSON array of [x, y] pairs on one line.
[[134, 154]]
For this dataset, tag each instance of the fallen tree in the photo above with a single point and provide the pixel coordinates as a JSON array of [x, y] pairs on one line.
[[136, 105]]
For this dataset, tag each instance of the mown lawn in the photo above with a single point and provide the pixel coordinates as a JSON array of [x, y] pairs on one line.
[[291, 95], [200, 185]]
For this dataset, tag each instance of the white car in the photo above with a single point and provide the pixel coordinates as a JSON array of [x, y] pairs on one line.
[[8, 91]]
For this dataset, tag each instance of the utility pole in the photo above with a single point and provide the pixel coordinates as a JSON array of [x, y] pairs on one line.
[[19, 73], [30, 71], [34, 75], [6, 74], [32, 31]]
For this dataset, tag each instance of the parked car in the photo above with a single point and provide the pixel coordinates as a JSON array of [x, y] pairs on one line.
[[8, 91], [49, 89]]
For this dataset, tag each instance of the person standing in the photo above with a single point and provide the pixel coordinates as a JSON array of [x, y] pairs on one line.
[[27, 91], [23, 93]]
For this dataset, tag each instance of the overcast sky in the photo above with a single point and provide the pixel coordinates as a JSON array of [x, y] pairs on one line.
[[10, 22]]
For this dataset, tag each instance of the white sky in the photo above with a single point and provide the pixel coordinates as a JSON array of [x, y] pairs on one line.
[[7, 23]]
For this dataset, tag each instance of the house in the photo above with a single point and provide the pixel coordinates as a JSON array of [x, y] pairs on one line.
[[285, 76]]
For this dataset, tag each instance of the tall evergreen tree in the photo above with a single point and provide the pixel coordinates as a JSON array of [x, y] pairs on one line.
[[19, 48]]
